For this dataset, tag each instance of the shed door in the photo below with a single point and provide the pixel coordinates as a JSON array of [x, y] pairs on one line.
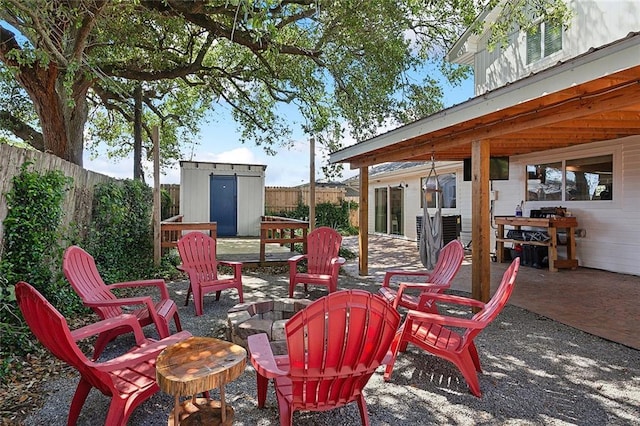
[[223, 207]]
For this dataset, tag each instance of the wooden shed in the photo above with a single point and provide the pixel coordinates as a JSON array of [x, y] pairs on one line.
[[230, 194]]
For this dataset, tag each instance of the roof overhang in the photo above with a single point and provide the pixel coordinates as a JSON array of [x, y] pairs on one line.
[[592, 97], [464, 49]]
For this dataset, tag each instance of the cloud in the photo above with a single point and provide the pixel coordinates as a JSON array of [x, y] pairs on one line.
[[242, 155]]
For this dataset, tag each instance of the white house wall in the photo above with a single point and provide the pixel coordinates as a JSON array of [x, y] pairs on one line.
[[611, 238], [595, 23], [412, 193], [612, 228]]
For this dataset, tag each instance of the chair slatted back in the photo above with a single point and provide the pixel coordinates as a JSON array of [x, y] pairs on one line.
[[323, 244], [498, 300], [80, 269], [198, 254], [448, 264], [336, 344]]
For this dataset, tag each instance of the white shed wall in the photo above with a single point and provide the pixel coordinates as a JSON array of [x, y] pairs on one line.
[[250, 205], [195, 194]]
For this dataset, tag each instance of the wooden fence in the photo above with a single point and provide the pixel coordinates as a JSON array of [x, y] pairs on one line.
[[173, 228], [174, 192], [279, 199], [78, 201]]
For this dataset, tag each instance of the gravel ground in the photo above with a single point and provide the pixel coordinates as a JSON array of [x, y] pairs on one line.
[[536, 371]]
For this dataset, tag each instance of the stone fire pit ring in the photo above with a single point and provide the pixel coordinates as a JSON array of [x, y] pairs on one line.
[[267, 316]]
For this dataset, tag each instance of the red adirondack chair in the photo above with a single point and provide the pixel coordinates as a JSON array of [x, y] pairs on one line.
[[436, 281], [435, 332], [199, 261], [129, 379], [323, 261], [80, 269], [334, 346]]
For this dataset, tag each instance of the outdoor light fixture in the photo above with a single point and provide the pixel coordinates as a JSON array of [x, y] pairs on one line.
[[403, 185]]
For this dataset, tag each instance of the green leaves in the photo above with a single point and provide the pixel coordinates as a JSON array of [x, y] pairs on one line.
[[355, 65], [31, 236], [120, 238]]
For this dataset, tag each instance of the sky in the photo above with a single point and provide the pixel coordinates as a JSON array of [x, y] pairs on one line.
[[219, 143]]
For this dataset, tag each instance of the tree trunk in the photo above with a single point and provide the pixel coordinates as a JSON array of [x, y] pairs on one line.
[[62, 119], [137, 134]]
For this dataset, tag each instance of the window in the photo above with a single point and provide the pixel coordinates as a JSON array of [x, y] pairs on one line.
[[580, 179], [381, 210], [589, 178], [543, 40], [445, 183]]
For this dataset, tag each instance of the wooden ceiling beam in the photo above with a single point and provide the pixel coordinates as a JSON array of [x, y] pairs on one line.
[[533, 120]]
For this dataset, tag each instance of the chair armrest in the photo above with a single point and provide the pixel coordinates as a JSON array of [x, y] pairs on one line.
[[262, 357], [180, 268], [433, 318], [125, 301], [124, 320], [237, 267], [229, 263], [423, 287], [147, 351], [297, 258], [160, 283], [389, 274], [455, 300]]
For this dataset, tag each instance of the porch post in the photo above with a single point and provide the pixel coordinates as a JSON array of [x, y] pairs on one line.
[[363, 219], [481, 231]]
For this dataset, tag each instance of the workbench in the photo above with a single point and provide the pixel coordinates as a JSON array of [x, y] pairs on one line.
[[551, 225]]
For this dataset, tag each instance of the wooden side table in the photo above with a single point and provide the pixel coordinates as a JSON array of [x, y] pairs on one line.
[[552, 225], [194, 366]]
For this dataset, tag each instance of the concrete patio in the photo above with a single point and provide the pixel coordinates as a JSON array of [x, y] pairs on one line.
[[598, 302]]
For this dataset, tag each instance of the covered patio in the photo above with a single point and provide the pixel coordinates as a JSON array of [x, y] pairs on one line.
[[598, 310], [590, 98]]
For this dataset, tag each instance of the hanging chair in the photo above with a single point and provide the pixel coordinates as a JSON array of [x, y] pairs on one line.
[[431, 232]]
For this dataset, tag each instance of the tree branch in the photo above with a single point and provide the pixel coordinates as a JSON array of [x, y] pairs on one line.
[[22, 130]]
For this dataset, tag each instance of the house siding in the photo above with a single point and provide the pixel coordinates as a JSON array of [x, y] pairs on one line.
[[612, 239], [595, 23], [412, 193]]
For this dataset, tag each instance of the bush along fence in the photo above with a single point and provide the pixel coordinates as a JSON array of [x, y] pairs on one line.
[[48, 204]]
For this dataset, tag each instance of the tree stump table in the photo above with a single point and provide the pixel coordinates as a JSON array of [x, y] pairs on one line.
[[194, 366]]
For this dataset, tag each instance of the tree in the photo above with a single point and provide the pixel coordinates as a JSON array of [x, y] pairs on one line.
[[337, 61]]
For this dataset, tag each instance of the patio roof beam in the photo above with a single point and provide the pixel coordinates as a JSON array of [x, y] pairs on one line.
[[580, 107]]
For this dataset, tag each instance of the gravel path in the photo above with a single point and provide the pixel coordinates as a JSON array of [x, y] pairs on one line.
[[536, 371]]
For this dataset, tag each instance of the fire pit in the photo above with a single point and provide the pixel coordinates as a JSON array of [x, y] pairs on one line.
[[268, 316]]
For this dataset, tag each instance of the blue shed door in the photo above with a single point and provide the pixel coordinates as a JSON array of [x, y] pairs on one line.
[[223, 207]]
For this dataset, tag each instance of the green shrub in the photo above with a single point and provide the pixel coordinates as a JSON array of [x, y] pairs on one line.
[[120, 237], [31, 250], [335, 216], [31, 228]]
